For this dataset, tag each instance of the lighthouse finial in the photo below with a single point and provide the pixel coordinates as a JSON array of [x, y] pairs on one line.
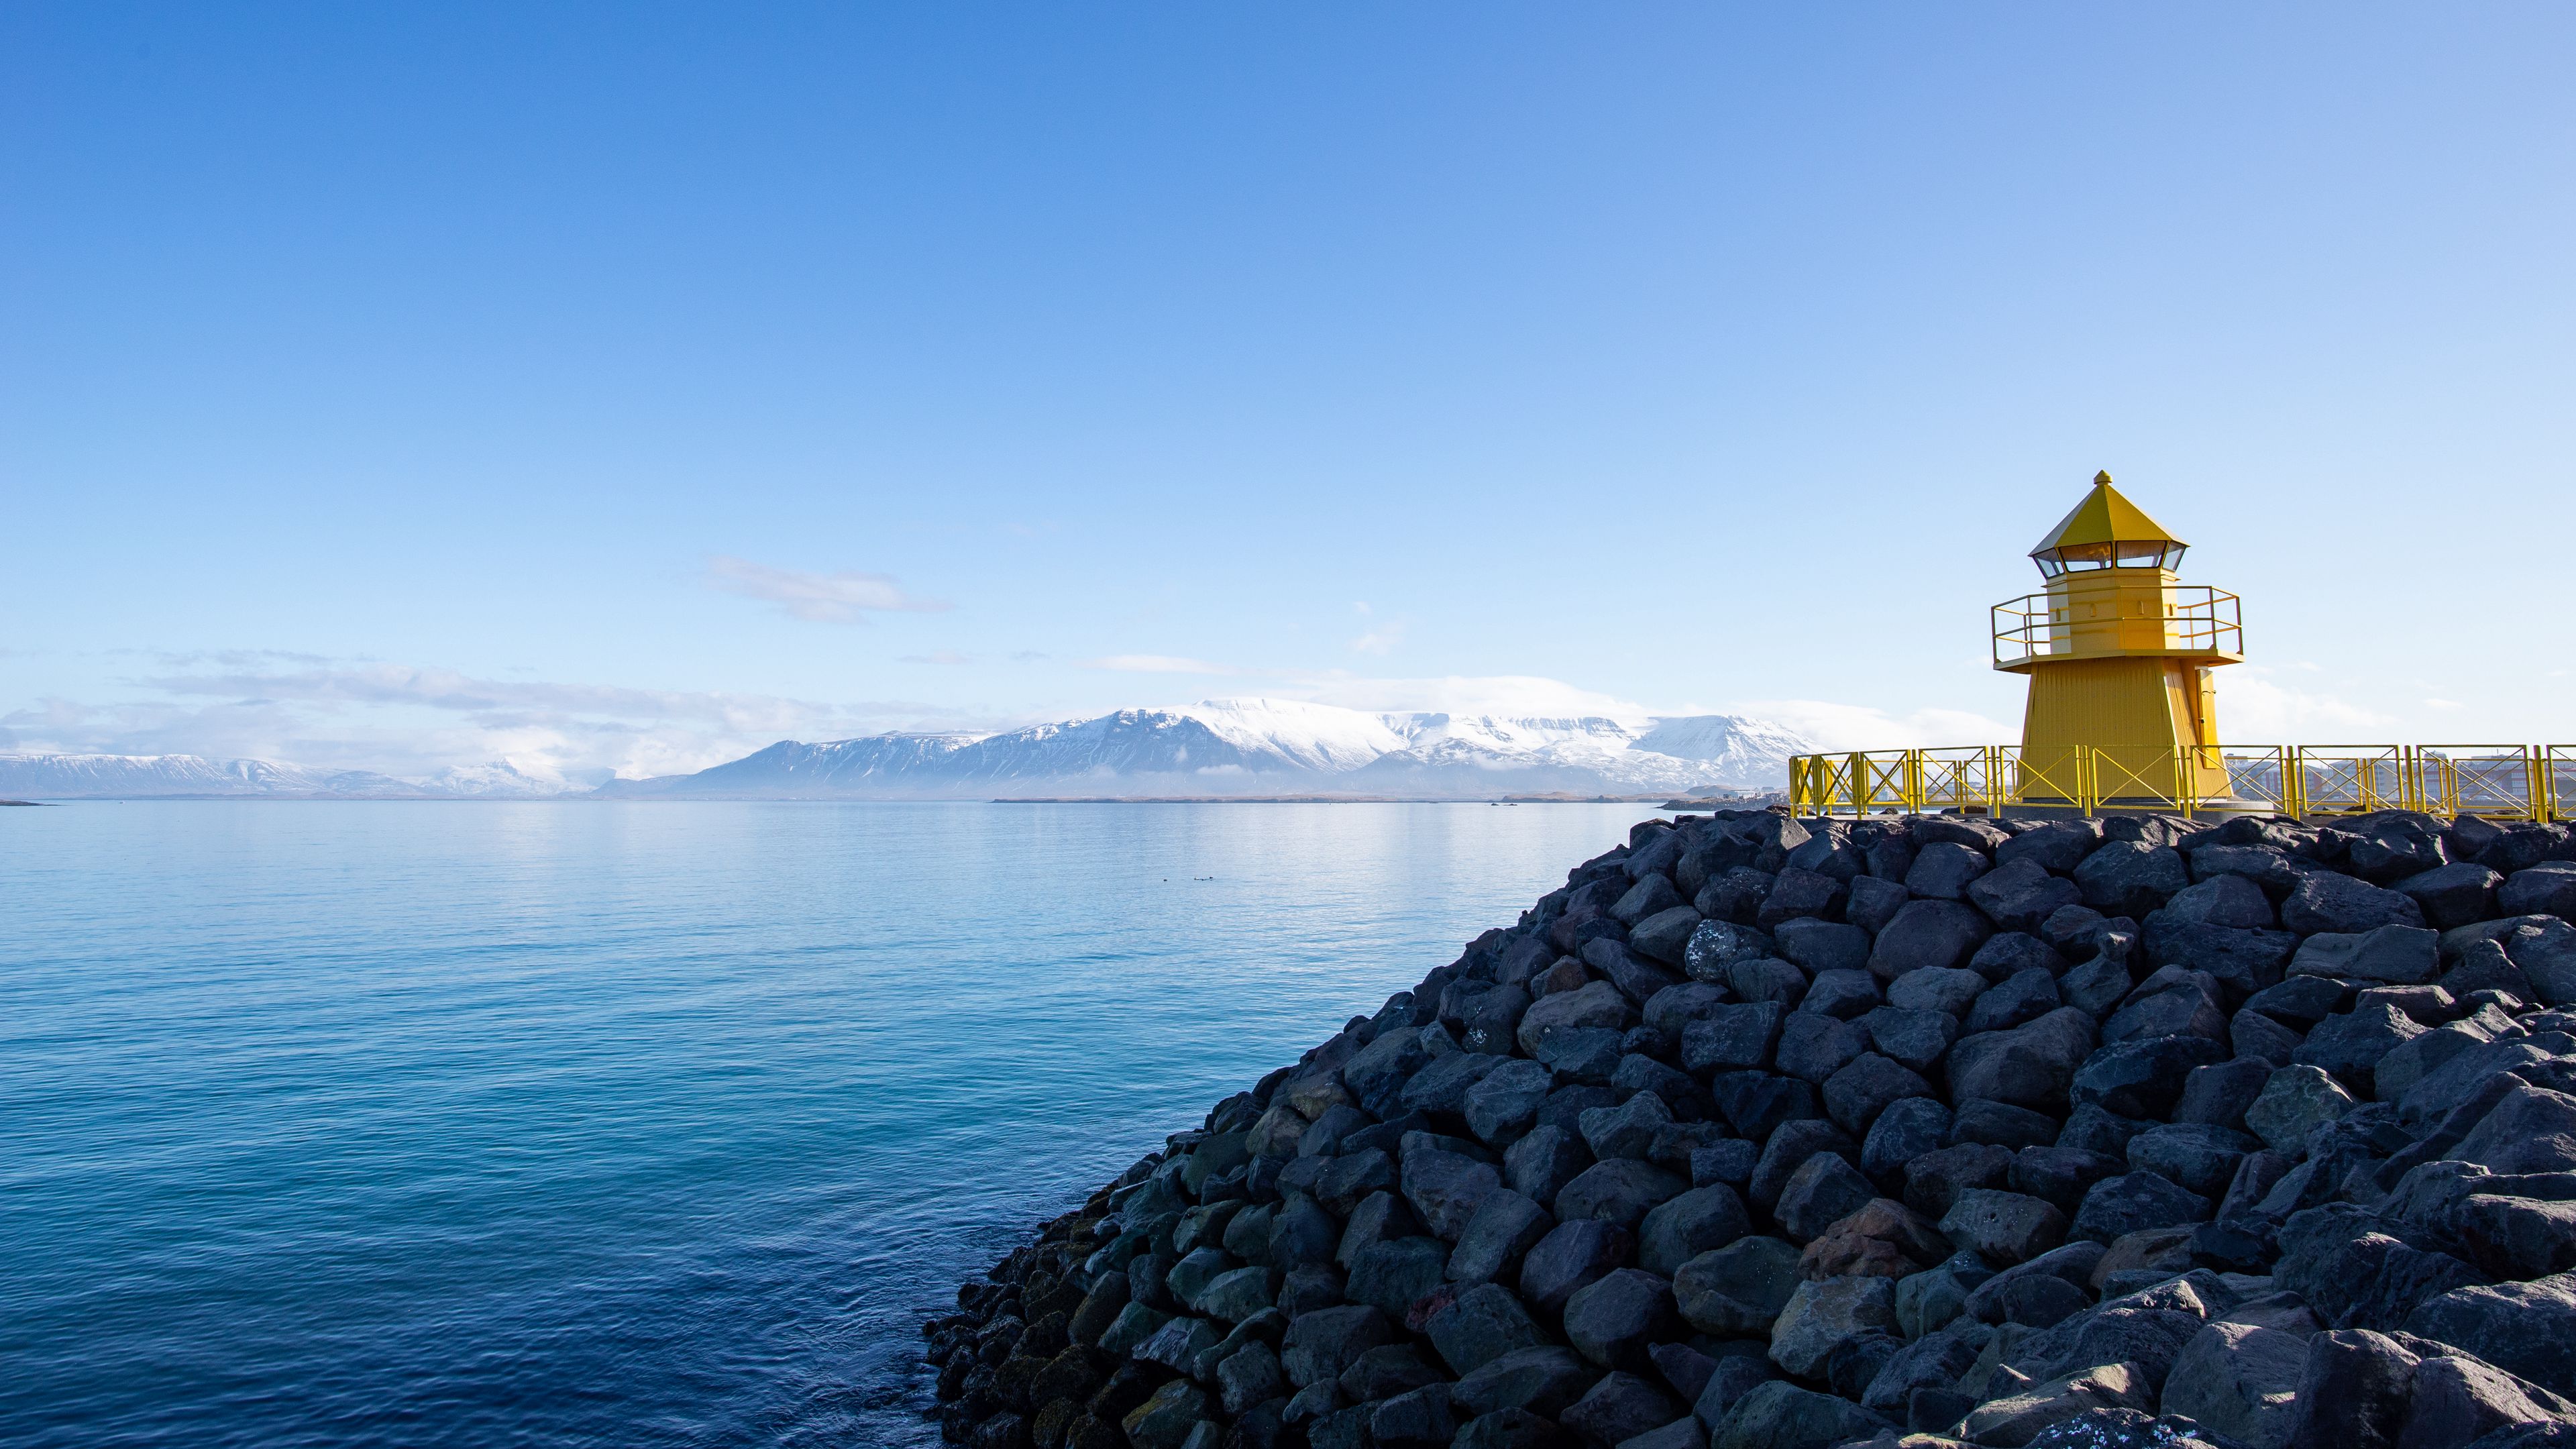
[[2102, 479]]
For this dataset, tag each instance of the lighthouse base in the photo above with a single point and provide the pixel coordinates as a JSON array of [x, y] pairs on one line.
[[2149, 727]]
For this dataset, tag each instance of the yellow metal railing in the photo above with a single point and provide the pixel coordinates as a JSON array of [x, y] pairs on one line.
[[2194, 618], [2494, 782]]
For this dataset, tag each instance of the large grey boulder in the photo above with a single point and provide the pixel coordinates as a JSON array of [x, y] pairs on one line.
[[1541, 1380], [2117, 1206], [1569, 1256], [2018, 1418], [1626, 1130], [1620, 1409], [1598, 1004], [1903, 1132], [2220, 1094], [2456, 894], [2022, 895], [1665, 936], [2350, 1045], [1927, 933], [1874, 902], [1165, 1419], [1505, 1102], [2059, 845], [1542, 1162], [2395, 955], [1650, 894], [1780, 1415], [2025, 996], [2200, 1157], [1943, 870], [1915, 1038], [2326, 901], [2032, 1065], [1733, 1037], [1820, 1193], [1823, 945], [2239, 1381], [2139, 1079], [1446, 1188], [1738, 1290], [2003, 1227], [2546, 889], [1612, 1319], [1506, 1226], [2526, 1329], [1672, 1010], [2173, 1002], [1415, 1419], [2273, 870], [1389, 1276], [1841, 993], [1868, 1086], [1480, 1325], [2131, 877], [1814, 1046], [1443, 1086], [1691, 1224], [2218, 900], [1622, 1191], [1320, 1344], [2244, 958], [1820, 1317], [1787, 1150], [1950, 990], [2295, 1101], [1716, 945]]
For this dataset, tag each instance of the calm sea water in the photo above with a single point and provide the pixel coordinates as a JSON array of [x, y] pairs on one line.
[[635, 1124]]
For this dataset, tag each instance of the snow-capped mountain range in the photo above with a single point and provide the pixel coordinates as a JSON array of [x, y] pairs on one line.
[[143, 777], [1263, 747], [1219, 747]]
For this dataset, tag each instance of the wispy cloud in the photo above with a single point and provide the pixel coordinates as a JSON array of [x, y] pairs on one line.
[[1380, 640], [1524, 695], [1836, 726], [935, 656], [2254, 707], [409, 721], [1157, 664], [834, 598]]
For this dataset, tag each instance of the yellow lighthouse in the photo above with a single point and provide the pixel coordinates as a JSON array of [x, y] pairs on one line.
[[2119, 653]]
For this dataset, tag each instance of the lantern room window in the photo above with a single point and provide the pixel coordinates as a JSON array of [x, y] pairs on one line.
[[2121, 554]]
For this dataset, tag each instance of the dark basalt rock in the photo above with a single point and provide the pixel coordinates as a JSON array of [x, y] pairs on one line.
[[1766, 1132]]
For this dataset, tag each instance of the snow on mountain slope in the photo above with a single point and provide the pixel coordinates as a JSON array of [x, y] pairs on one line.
[[1741, 749], [1260, 746], [144, 777], [498, 780], [1311, 736], [1216, 747]]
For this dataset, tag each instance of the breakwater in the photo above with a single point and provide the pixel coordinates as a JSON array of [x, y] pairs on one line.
[[1925, 1130]]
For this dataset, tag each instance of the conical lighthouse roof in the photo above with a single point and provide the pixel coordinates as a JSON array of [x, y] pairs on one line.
[[2103, 517]]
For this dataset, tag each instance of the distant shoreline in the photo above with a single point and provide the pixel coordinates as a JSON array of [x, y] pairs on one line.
[[1660, 801]]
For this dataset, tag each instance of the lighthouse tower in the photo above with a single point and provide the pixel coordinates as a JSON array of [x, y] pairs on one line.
[[2119, 653]]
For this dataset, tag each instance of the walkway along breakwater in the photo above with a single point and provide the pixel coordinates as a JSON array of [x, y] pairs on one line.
[[1779, 1133]]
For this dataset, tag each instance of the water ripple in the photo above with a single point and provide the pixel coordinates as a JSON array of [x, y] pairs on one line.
[[495, 1125]]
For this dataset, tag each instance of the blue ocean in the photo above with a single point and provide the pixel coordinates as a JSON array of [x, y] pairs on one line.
[[635, 1124]]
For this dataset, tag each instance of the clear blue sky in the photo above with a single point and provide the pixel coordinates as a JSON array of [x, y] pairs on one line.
[[624, 386]]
